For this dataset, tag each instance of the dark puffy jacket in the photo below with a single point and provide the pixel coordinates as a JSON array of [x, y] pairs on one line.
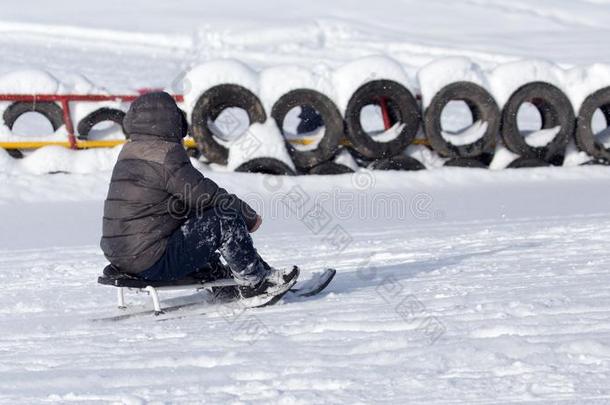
[[154, 187]]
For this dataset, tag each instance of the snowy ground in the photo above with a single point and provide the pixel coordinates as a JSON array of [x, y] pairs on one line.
[[484, 287], [454, 286]]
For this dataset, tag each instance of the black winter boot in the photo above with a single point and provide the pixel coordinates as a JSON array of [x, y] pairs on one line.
[[271, 289]]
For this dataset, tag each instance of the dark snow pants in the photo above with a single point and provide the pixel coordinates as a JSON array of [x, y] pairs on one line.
[[193, 245]]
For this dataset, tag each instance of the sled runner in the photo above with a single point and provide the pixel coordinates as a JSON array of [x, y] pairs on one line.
[[123, 281]]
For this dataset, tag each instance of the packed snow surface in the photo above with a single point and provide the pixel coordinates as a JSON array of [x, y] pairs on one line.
[[454, 285]]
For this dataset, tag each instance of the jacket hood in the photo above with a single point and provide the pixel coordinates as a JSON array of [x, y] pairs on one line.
[[155, 114]]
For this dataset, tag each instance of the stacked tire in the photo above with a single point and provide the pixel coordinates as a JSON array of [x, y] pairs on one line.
[[584, 135], [553, 105], [555, 110], [402, 113], [502, 126], [482, 107]]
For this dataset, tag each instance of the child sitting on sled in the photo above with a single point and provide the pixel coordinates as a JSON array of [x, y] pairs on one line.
[[164, 220]]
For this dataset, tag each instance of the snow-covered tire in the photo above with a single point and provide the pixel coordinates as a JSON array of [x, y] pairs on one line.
[[333, 124], [48, 109], [100, 115], [266, 166], [555, 109], [482, 107], [330, 168], [472, 163], [401, 162], [527, 162], [402, 106], [209, 106], [584, 136]]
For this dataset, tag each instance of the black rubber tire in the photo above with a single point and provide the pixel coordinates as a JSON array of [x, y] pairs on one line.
[[210, 105], [97, 116], [193, 153], [15, 153], [482, 107], [266, 166], [330, 168], [401, 162], [333, 123], [584, 136], [402, 106], [48, 109], [595, 162], [527, 162], [472, 163], [555, 109]]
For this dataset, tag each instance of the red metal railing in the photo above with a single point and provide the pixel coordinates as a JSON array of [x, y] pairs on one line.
[[66, 99]]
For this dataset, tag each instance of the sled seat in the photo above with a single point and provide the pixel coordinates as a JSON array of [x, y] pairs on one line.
[[114, 277]]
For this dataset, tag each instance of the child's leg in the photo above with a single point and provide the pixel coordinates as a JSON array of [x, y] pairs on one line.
[[236, 247], [191, 246]]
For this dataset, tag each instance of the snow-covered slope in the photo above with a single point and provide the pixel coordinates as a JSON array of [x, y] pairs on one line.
[[454, 285], [498, 312], [122, 45], [459, 286]]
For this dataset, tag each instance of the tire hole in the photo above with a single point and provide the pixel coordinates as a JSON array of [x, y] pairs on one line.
[[371, 119], [458, 124], [105, 130], [304, 128], [379, 123], [529, 118], [532, 125], [599, 127], [230, 124], [32, 123], [456, 117]]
